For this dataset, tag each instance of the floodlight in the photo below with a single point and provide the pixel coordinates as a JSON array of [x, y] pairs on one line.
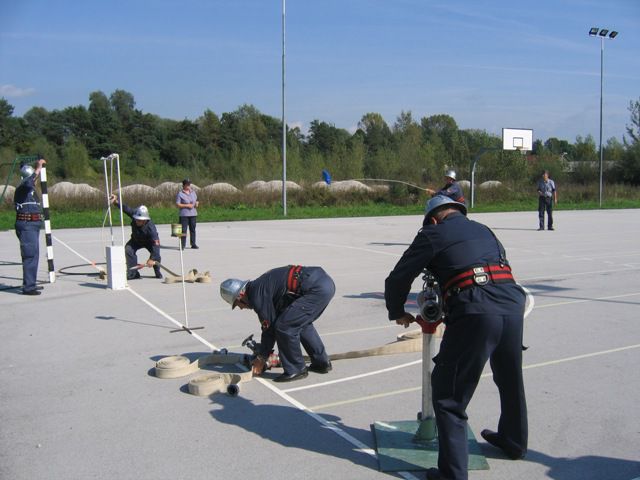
[[613, 34], [593, 31], [603, 32]]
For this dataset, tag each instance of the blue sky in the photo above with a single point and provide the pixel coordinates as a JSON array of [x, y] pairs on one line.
[[489, 64]]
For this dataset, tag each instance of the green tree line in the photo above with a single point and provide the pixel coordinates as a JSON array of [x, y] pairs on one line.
[[245, 145]]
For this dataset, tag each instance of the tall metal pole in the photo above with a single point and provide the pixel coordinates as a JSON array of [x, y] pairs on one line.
[[601, 90], [284, 122]]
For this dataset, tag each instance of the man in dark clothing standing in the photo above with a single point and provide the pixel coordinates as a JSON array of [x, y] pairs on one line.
[[144, 234], [28, 225], [484, 321], [287, 301], [451, 189], [547, 196]]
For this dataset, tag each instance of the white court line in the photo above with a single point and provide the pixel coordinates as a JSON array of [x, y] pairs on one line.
[[354, 377], [361, 447], [571, 302], [484, 375]]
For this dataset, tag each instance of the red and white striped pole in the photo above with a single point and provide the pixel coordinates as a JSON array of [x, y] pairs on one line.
[[47, 224]]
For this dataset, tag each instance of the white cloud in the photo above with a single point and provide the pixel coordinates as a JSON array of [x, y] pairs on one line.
[[13, 91]]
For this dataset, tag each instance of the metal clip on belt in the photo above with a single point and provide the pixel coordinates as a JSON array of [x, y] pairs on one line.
[[479, 276]]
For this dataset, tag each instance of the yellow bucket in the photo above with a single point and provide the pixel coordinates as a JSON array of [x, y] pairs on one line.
[[176, 229]]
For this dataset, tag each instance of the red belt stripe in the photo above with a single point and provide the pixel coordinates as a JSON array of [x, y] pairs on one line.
[[292, 278], [489, 269]]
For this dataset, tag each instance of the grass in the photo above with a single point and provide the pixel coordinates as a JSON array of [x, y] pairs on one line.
[[166, 215]]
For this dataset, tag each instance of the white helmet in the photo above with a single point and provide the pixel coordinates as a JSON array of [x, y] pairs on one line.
[[26, 171], [450, 174], [141, 213], [438, 201], [231, 289]]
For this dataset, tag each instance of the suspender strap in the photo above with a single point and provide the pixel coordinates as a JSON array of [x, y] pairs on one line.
[[293, 278]]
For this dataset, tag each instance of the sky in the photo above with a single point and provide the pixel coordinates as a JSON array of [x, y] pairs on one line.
[[490, 64]]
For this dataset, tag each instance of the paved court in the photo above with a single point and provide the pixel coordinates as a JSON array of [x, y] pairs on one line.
[[78, 399]]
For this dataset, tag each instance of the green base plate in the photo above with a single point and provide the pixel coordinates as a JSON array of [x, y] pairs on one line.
[[397, 452]]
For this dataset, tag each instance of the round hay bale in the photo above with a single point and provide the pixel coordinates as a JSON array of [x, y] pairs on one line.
[[490, 184], [256, 185], [168, 189], [8, 194], [272, 186], [464, 184], [139, 190], [349, 186], [70, 190], [320, 185], [219, 188]]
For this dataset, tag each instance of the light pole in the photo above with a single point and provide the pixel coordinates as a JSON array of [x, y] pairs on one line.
[[602, 33], [284, 121]]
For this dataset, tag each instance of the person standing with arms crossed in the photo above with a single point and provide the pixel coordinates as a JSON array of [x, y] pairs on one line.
[[28, 225], [484, 319], [547, 196]]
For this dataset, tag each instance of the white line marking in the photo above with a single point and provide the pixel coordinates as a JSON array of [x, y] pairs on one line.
[[588, 300], [329, 425], [354, 377], [484, 375]]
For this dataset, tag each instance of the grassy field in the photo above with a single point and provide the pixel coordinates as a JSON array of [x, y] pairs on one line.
[[167, 215]]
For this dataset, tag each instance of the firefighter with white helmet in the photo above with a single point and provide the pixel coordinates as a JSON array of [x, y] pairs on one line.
[[452, 188], [28, 225], [144, 234], [287, 301]]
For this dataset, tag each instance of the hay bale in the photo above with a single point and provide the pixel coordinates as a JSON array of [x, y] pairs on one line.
[[272, 186], [464, 184], [349, 186], [219, 188], [490, 184], [68, 190], [320, 185], [8, 194], [171, 189], [140, 190]]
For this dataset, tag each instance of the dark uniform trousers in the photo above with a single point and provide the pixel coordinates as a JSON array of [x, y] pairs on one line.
[[188, 223], [130, 250], [545, 204], [468, 342], [295, 323], [28, 233]]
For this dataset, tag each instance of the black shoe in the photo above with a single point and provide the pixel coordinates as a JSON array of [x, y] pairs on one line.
[[158, 275], [31, 292], [513, 452], [290, 377], [540, 229], [551, 228], [135, 276], [434, 474], [320, 368], [195, 246]]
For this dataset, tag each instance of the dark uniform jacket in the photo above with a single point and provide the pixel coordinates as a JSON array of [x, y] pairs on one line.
[[268, 296], [446, 249], [146, 235], [453, 191], [26, 198]]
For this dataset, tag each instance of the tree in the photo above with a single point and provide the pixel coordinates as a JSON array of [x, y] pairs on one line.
[[633, 130], [377, 134]]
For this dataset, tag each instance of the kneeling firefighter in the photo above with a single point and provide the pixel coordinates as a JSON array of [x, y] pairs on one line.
[[287, 301]]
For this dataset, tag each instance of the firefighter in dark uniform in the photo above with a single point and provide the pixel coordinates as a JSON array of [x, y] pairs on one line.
[[144, 234], [451, 189], [287, 301], [484, 310], [28, 225]]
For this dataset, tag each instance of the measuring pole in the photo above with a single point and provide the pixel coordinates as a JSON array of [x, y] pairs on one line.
[[427, 431]]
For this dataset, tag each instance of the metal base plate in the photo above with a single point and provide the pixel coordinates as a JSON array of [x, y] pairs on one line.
[[397, 452]]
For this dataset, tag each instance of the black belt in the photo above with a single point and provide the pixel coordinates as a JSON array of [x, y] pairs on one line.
[[29, 217], [478, 276]]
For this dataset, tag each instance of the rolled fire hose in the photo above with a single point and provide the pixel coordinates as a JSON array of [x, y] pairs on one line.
[[207, 384]]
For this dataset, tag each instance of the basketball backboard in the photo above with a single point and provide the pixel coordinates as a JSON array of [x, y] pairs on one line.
[[517, 139]]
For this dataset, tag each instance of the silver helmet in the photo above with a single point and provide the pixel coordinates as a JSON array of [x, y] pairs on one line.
[[450, 174], [26, 171], [141, 213], [438, 201], [231, 289]]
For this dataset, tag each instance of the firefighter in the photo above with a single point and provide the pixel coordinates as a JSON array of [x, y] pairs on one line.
[[28, 225], [484, 321], [144, 234], [451, 189], [287, 301]]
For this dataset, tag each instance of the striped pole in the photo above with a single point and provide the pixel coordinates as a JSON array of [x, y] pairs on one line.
[[47, 224]]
